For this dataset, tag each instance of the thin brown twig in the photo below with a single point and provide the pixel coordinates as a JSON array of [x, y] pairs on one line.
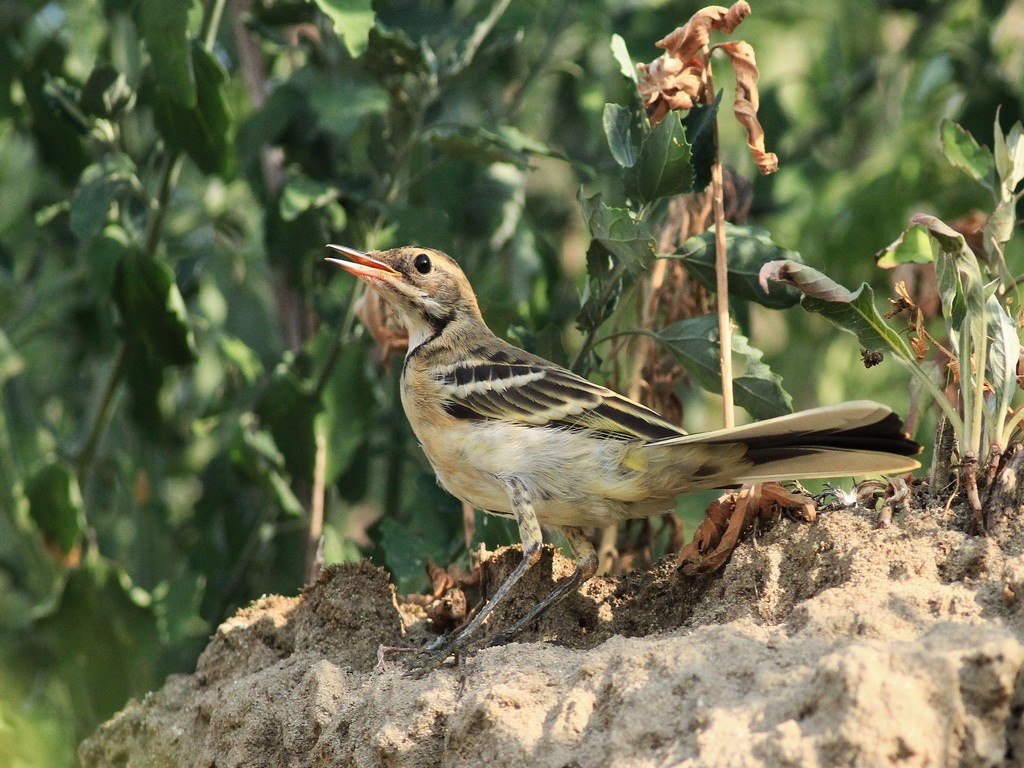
[[316, 510], [721, 270]]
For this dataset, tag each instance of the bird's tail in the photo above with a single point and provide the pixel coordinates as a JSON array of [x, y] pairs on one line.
[[850, 439]]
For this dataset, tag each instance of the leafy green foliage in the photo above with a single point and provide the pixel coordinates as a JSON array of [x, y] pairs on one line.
[[984, 338], [180, 376], [748, 249], [695, 344], [662, 167]]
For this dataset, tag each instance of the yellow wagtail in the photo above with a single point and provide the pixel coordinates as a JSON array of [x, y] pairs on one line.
[[516, 435]]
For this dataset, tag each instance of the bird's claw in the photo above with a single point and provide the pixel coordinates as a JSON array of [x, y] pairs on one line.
[[434, 656]]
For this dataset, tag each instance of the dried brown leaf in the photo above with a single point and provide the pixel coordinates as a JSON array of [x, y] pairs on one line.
[[382, 324], [744, 65], [440, 580], [730, 517], [686, 41], [666, 84], [920, 346]]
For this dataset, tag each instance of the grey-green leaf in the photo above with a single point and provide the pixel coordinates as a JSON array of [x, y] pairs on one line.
[[964, 153], [622, 58], [101, 184], [694, 342], [663, 165], [164, 26], [748, 249], [352, 19], [627, 238], [617, 129]]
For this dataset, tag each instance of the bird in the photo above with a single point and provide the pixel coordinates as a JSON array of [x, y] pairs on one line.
[[518, 436]]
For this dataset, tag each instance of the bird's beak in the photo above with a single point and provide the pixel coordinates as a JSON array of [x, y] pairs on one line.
[[361, 264]]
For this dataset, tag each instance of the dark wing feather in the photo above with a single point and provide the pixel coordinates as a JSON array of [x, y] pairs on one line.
[[511, 385]]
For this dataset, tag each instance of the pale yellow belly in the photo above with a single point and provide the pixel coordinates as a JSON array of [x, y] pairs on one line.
[[577, 481]]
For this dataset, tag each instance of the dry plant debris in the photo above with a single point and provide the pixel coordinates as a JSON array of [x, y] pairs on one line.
[[681, 77], [728, 518]]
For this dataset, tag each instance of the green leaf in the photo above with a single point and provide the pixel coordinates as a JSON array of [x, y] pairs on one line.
[[622, 58], [961, 285], [431, 532], [240, 361], [55, 504], [1001, 362], [617, 129], [1009, 159], [507, 145], [106, 93], [11, 363], [341, 118], [104, 617], [663, 165], [100, 185], [153, 316], [348, 406], [255, 454], [964, 153], [392, 55], [352, 19], [301, 193], [288, 411], [694, 342], [1003, 221], [913, 246], [855, 312], [603, 289], [699, 125], [204, 129], [163, 24], [963, 294], [616, 230], [748, 249]]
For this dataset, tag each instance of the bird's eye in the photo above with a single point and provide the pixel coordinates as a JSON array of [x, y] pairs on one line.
[[422, 263]]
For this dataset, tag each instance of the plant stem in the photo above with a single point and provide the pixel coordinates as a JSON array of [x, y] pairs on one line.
[[83, 454], [588, 339], [168, 180], [395, 460], [211, 22], [721, 268], [316, 511]]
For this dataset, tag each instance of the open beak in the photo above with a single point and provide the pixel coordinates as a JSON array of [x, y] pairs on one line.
[[361, 265]]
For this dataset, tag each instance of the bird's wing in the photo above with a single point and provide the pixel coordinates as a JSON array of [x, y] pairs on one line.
[[511, 385]]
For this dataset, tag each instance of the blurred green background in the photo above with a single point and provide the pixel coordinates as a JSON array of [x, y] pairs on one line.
[[181, 375]]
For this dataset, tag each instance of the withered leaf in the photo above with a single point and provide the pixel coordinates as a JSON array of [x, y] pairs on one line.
[[728, 518]]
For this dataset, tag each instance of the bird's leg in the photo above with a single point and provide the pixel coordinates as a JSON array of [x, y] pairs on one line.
[[586, 566], [532, 538]]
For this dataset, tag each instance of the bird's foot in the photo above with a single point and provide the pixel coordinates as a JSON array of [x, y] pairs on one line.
[[437, 653]]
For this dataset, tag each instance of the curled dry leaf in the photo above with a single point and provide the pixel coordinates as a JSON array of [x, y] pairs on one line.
[[686, 41], [667, 84], [896, 493], [745, 106], [681, 78], [448, 604], [382, 324], [728, 518]]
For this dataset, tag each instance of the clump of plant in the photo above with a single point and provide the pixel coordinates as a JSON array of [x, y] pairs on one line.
[[969, 368], [665, 143]]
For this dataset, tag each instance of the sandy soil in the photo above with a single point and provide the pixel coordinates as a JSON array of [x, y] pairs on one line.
[[824, 644]]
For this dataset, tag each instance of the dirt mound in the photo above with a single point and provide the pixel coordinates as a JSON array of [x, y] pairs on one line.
[[833, 643]]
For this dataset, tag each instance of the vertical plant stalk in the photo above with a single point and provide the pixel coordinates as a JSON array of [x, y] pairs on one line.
[[314, 551], [721, 267]]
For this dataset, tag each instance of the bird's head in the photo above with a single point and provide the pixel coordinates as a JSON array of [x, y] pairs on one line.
[[427, 289]]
